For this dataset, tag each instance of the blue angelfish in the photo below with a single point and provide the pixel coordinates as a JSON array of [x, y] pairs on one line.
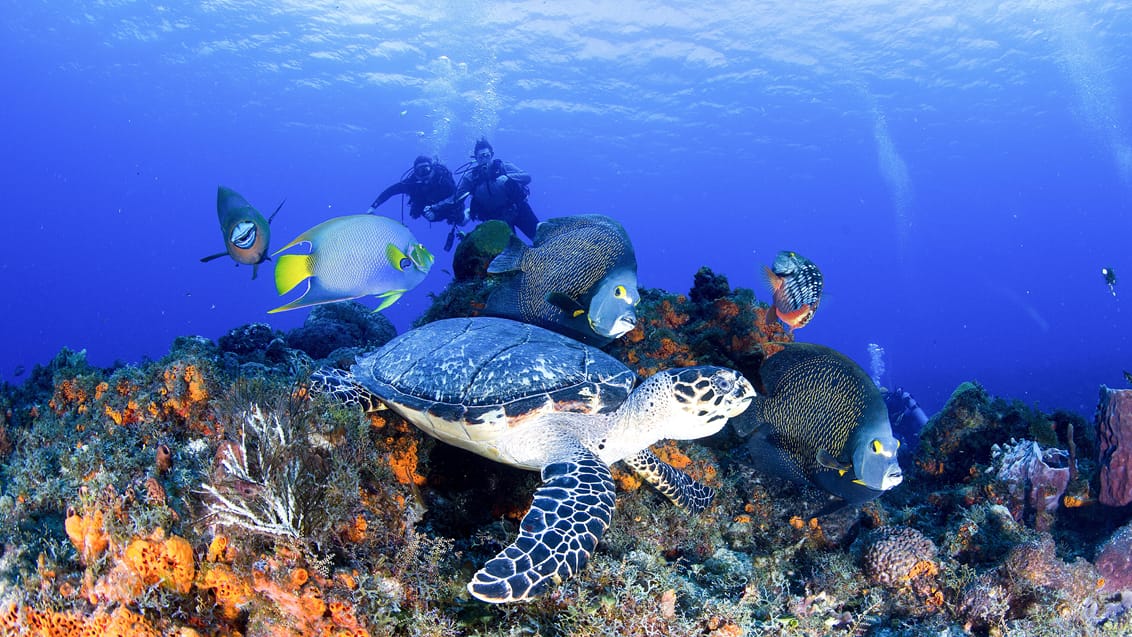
[[246, 232], [352, 257]]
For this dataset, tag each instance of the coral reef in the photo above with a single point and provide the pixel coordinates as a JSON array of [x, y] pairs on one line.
[[1030, 481], [1114, 428], [1114, 560], [340, 325], [207, 493]]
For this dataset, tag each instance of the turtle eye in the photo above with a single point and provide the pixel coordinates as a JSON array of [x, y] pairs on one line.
[[723, 383]]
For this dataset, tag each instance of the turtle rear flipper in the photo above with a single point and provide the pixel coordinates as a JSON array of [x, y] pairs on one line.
[[570, 513], [343, 388], [672, 483]]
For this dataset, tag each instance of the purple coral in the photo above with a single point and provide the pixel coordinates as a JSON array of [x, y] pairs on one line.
[[1033, 479], [1114, 438], [901, 558], [1114, 560]]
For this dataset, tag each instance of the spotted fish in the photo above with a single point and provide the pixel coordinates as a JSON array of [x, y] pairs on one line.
[[797, 285], [579, 279], [246, 232], [819, 419]]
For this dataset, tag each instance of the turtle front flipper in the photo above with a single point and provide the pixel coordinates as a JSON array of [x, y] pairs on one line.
[[570, 512], [674, 484], [341, 386]]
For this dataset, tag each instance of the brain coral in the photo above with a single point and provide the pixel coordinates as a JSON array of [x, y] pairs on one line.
[[900, 557]]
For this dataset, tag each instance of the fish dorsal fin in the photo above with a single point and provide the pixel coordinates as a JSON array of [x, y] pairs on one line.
[[511, 259], [566, 304], [827, 460], [276, 210]]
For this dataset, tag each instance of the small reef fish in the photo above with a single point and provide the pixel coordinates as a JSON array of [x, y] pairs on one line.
[[579, 278], [246, 232], [820, 419], [797, 285], [352, 257]]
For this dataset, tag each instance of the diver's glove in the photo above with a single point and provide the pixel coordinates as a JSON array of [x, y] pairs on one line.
[[429, 213]]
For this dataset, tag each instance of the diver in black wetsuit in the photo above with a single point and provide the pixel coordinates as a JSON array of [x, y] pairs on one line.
[[426, 183], [497, 189]]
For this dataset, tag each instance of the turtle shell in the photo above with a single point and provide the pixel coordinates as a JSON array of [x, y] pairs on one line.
[[469, 380]]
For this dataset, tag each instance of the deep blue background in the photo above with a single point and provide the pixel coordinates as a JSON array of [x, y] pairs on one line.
[[960, 175]]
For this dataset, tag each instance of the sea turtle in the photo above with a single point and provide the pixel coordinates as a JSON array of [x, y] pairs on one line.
[[531, 398]]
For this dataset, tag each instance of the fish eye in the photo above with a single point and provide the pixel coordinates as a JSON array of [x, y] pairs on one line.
[[619, 291], [406, 263], [877, 447]]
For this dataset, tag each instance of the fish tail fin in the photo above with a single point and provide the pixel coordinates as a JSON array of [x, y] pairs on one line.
[[511, 259], [291, 270]]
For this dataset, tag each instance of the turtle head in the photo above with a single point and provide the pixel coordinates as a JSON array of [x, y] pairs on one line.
[[701, 399]]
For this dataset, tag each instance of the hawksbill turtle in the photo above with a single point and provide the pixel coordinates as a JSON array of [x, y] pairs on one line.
[[534, 399]]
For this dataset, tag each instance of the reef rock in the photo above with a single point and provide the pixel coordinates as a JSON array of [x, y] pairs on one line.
[[1032, 481], [1114, 433], [1114, 560], [476, 250], [336, 325]]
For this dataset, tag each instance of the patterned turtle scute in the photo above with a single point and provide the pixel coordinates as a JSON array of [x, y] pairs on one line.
[[486, 365]]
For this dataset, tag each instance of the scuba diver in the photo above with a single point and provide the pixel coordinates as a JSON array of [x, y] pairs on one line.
[[426, 183], [497, 189], [906, 416]]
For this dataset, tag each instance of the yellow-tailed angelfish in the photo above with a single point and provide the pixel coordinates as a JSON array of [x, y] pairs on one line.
[[246, 232], [579, 278], [820, 419], [351, 257]]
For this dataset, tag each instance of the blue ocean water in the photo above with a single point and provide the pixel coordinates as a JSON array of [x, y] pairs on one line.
[[961, 172]]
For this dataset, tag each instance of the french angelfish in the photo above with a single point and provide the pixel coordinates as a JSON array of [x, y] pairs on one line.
[[579, 278], [352, 257], [820, 419], [797, 285], [246, 232]]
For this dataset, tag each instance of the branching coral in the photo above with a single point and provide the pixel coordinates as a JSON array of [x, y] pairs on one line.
[[259, 483]]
